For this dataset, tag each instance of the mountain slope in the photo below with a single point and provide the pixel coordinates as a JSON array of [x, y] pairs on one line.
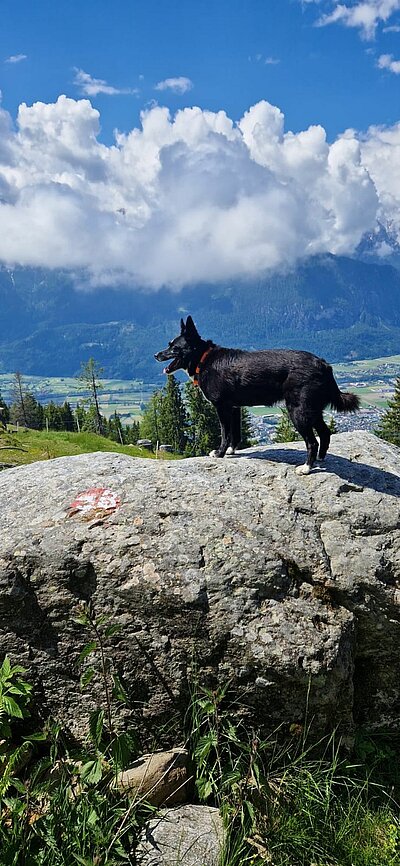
[[335, 306]]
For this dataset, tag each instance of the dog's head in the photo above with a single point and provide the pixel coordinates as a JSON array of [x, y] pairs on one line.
[[181, 348]]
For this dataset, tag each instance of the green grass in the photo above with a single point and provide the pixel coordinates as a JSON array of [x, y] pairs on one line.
[[287, 803], [325, 812], [27, 446]]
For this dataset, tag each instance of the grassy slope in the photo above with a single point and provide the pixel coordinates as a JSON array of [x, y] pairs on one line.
[[30, 445]]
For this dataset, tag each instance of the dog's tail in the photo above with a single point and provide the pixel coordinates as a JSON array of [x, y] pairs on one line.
[[344, 402], [341, 400]]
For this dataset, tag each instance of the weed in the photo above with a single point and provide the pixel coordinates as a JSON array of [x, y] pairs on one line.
[[282, 806]]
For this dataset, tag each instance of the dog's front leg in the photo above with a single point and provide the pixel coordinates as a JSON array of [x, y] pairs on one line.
[[224, 413]]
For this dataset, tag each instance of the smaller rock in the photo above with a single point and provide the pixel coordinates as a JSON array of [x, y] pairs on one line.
[[184, 836], [160, 778]]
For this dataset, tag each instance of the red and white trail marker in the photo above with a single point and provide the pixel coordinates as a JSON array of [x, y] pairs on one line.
[[95, 500]]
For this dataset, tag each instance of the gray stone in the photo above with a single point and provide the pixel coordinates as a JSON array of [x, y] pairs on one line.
[[285, 586], [184, 836], [161, 778]]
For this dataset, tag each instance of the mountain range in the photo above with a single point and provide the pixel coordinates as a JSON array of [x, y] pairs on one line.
[[338, 307]]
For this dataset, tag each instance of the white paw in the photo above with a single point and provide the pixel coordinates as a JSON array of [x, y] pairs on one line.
[[212, 453], [303, 470], [230, 450]]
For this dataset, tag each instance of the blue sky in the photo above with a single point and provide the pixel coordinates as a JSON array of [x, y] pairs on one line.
[[165, 143], [235, 52]]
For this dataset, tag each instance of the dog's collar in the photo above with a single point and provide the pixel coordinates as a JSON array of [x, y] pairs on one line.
[[199, 365]]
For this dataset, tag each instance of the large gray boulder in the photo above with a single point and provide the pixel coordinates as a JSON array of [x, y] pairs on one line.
[[286, 587], [184, 836]]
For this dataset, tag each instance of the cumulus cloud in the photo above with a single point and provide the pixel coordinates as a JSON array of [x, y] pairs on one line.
[[90, 86], [177, 85], [386, 61], [16, 58], [186, 198], [365, 15], [381, 157]]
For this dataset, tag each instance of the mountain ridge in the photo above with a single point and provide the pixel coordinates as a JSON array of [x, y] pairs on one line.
[[338, 307]]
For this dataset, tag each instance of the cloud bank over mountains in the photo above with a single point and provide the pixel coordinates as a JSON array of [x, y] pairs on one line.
[[186, 198]]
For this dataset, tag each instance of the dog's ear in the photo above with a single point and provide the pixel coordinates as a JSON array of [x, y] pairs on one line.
[[183, 328], [191, 330]]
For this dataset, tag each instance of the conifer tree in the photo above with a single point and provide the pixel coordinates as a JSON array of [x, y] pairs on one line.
[[150, 425], [18, 412], [25, 409], [389, 427], [247, 433], [333, 427], [114, 429], [285, 431], [53, 416], [4, 412], [165, 419], [68, 417], [131, 433], [203, 425], [173, 416], [89, 378], [80, 415], [94, 422]]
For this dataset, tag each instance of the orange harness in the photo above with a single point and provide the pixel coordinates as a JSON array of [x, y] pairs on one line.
[[198, 368]]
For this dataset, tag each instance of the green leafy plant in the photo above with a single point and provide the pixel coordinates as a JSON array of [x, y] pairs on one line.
[[15, 694], [58, 809], [111, 747]]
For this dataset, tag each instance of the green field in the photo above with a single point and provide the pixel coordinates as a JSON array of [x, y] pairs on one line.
[[116, 395], [27, 446], [390, 361]]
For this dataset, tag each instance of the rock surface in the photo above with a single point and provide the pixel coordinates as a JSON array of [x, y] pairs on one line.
[[282, 585], [162, 778], [185, 836]]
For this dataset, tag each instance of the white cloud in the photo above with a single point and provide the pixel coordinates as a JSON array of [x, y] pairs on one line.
[[16, 58], [177, 85], [89, 86], [381, 156], [261, 58], [186, 198], [386, 61], [364, 15]]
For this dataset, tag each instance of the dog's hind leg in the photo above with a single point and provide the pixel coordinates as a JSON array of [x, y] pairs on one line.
[[236, 430], [303, 422], [224, 413], [324, 437]]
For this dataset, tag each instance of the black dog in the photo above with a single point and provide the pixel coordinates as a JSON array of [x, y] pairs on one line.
[[230, 378]]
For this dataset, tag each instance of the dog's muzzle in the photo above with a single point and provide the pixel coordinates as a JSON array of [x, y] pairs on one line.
[[162, 356], [166, 355]]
